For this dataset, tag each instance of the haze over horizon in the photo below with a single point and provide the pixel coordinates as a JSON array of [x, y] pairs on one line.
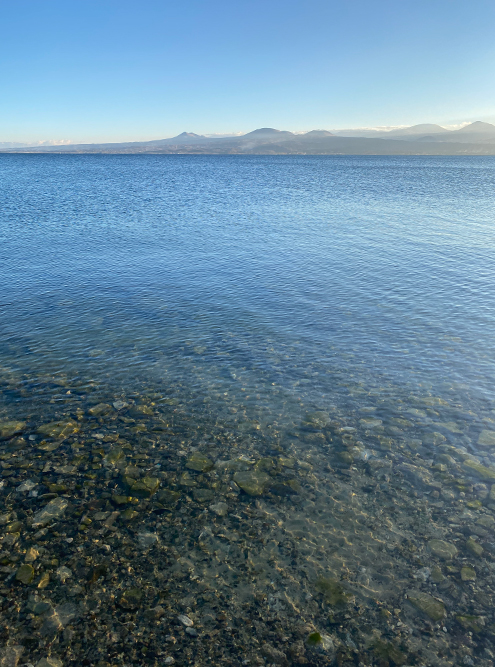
[[122, 71]]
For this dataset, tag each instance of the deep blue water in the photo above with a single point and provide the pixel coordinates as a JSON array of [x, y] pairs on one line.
[[378, 269]]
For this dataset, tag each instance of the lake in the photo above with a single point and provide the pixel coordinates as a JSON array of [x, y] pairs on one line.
[[248, 409]]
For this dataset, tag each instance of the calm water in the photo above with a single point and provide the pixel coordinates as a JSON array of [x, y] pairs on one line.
[[331, 317]]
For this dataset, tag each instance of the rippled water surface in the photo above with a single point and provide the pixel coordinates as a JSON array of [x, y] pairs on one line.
[[248, 404]]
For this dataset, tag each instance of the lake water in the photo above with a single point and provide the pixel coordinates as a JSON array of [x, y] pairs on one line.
[[257, 397]]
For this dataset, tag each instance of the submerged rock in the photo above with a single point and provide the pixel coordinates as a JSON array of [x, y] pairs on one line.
[[442, 549], [25, 574], [486, 438], [335, 594], [100, 409], [484, 473], [143, 488], [59, 429], [54, 510], [49, 662], [131, 598], [199, 462], [220, 509], [254, 483], [432, 607], [11, 428]]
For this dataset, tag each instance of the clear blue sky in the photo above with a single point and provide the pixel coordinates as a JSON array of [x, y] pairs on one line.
[[93, 70]]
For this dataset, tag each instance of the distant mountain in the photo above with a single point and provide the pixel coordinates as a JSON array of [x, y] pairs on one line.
[[183, 138], [409, 132], [314, 134], [477, 132], [426, 139], [477, 127], [423, 128]]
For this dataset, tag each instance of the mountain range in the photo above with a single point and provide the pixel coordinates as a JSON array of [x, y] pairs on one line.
[[477, 138]]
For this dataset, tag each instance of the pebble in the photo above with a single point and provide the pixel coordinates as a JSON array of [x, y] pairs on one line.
[[185, 620]]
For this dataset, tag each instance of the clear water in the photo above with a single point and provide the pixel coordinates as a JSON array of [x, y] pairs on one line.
[[233, 296]]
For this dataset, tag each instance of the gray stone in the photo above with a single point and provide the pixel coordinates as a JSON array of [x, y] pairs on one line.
[[9, 656], [185, 620], [432, 607], [254, 483], [49, 662], [52, 511], [442, 549]]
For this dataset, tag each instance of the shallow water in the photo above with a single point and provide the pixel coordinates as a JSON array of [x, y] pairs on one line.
[[269, 385]]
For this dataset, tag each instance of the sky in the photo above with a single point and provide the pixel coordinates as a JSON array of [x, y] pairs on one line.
[[124, 70]]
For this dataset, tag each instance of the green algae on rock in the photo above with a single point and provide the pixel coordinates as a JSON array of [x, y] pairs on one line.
[[58, 429], [484, 473], [199, 462], [143, 488], [10, 428], [254, 483], [25, 574], [432, 607], [334, 592]]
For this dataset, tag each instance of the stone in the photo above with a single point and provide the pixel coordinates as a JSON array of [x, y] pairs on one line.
[[437, 575], [473, 623], [486, 438], [114, 456], [25, 573], [320, 642], [119, 405], [242, 463], [442, 549], [60, 429], [388, 651], [317, 419], [486, 520], [274, 655], [434, 438], [168, 497], [192, 632], [147, 540], [100, 409], [335, 594], [203, 495], [52, 511], [31, 555], [432, 607], [468, 573], [131, 598], [199, 462], [484, 473], [220, 509], [185, 620], [254, 483], [474, 547], [11, 428], [27, 485], [10, 655], [59, 617], [145, 487], [370, 423], [63, 573], [49, 662]]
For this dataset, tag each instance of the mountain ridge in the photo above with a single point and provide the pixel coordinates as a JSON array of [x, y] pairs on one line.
[[478, 138]]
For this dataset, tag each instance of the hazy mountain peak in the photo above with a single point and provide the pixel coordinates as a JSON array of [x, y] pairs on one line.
[[478, 126], [318, 133], [266, 131]]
